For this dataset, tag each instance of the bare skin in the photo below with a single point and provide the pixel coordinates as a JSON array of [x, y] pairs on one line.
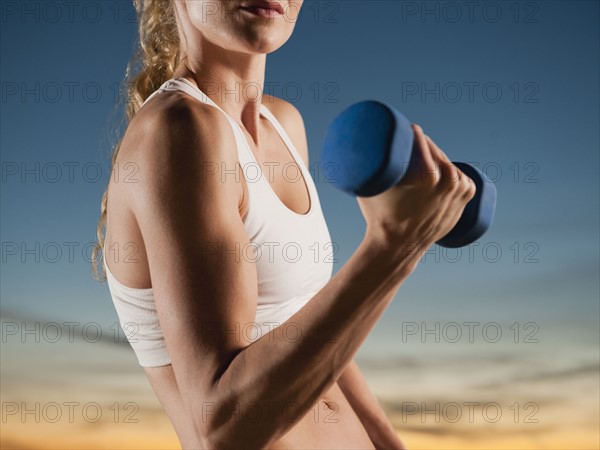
[[310, 394]]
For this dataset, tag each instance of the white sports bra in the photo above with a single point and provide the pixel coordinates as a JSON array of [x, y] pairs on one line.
[[293, 252]]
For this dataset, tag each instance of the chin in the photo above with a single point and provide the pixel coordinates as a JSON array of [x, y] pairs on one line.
[[265, 46], [262, 41]]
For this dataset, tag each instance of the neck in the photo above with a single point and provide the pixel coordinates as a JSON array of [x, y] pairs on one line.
[[233, 80]]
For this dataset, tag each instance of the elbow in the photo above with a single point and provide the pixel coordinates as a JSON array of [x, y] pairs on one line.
[[204, 425], [206, 436], [234, 437], [212, 440], [208, 428], [223, 424]]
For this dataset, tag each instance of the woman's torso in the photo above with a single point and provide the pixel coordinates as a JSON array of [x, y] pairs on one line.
[[283, 218]]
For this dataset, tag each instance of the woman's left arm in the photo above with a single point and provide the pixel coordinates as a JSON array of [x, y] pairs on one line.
[[367, 408]]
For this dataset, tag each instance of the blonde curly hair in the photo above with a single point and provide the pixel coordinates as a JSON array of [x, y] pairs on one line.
[[154, 60]]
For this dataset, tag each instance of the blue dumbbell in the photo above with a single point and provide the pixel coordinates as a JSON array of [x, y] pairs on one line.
[[367, 150]]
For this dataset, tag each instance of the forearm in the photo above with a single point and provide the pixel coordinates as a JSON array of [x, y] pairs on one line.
[[279, 372], [367, 408]]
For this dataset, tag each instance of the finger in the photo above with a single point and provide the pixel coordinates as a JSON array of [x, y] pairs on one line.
[[429, 165], [454, 210], [459, 174], [435, 150], [442, 159]]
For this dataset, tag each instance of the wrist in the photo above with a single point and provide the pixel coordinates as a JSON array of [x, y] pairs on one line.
[[402, 252]]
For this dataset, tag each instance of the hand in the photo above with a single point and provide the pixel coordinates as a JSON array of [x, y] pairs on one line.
[[425, 205]]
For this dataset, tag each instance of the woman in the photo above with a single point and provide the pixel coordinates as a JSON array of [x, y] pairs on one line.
[[246, 344]]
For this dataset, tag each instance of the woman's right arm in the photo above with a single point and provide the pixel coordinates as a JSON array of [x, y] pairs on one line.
[[186, 205]]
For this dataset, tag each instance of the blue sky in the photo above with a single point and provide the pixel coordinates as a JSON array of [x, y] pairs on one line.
[[513, 89], [509, 86]]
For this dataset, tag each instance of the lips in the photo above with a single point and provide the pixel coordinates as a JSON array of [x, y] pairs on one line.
[[264, 8]]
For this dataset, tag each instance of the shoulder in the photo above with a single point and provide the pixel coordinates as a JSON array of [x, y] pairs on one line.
[[172, 141], [172, 124], [291, 120], [173, 129]]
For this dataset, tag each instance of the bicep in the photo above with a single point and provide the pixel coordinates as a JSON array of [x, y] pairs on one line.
[[193, 235]]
